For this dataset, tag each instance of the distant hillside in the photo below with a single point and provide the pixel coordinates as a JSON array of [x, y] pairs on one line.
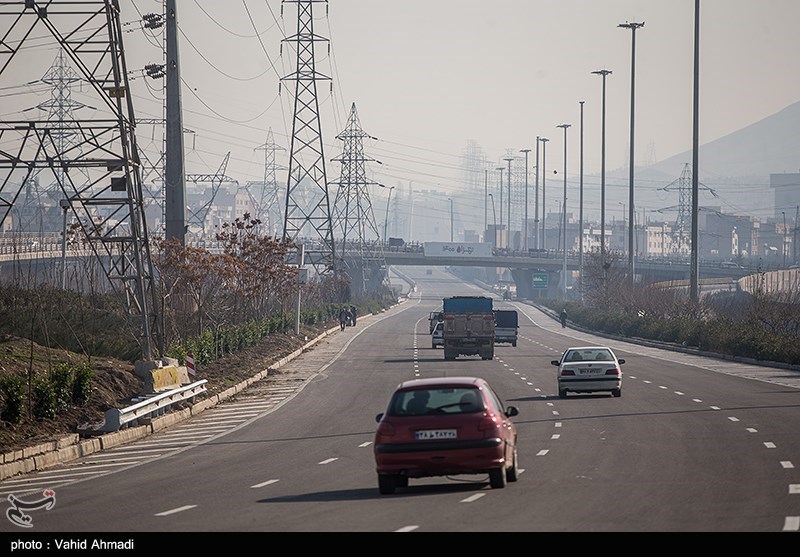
[[734, 166]]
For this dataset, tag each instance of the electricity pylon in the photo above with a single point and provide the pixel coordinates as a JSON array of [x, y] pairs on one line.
[[353, 213], [103, 147], [683, 224], [268, 201], [198, 216], [308, 212]]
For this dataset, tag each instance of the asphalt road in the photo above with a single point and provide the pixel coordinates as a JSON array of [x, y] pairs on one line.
[[693, 445]]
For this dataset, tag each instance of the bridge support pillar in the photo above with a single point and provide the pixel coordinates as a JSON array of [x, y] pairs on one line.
[[526, 290]]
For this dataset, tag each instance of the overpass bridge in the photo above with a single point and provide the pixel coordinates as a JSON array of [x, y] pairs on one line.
[[527, 269]]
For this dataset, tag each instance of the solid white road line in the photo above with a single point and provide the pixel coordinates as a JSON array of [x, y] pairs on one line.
[[178, 510]]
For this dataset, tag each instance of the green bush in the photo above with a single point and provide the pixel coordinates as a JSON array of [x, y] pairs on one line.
[[44, 403], [61, 378], [12, 391], [82, 384]]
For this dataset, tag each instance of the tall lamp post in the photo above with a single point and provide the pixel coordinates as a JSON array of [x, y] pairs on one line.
[[633, 26], [485, 200], [544, 141], [603, 73], [500, 168], [508, 241], [386, 220], [694, 270], [494, 218], [451, 218], [783, 244], [525, 218], [564, 212], [580, 212], [537, 240]]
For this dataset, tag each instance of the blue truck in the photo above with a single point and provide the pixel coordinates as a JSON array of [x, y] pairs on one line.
[[469, 327]]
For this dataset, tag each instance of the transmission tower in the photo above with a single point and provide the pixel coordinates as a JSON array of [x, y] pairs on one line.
[[268, 201], [198, 217], [308, 214], [109, 205], [59, 109], [353, 213], [683, 224]]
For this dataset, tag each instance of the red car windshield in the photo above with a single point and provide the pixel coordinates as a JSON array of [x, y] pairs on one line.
[[418, 402]]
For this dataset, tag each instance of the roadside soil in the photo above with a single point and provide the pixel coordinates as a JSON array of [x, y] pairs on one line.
[[114, 383]]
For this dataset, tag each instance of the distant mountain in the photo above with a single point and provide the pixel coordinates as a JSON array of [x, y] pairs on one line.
[[770, 146], [736, 167]]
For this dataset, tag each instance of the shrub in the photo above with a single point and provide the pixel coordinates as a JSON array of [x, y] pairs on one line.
[[61, 378], [44, 399], [12, 391], [82, 384]]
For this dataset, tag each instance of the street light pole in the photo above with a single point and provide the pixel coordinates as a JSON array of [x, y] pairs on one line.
[[500, 168], [538, 241], [508, 241], [494, 218], [564, 213], [451, 218], [525, 219], [580, 212], [694, 270], [544, 141], [386, 220], [631, 217], [485, 201], [603, 73], [783, 244]]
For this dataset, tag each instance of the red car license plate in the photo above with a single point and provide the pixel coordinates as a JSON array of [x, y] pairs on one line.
[[436, 434]]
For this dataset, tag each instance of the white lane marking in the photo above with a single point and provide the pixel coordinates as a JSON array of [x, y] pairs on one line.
[[367, 444], [787, 464], [662, 387], [472, 498], [178, 510], [631, 377], [122, 453], [752, 430], [262, 484], [557, 424], [555, 413], [103, 459], [714, 407], [678, 393], [733, 419], [549, 404], [794, 489], [769, 445], [648, 382], [407, 528], [696, 400], [792, 524], [555, 436], [543, 452], [328, 461]]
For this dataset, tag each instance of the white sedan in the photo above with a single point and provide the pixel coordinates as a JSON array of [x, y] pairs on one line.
[[587, 369]]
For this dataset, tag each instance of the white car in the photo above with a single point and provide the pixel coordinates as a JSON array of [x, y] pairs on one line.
[[437, 336], [587, 369]]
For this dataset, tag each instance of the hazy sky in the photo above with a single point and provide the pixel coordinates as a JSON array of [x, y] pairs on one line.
[[427, 76]]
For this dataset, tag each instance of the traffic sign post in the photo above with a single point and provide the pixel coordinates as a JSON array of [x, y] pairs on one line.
[[539, 280]]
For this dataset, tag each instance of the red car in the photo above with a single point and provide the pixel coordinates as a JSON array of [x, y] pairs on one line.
[[442, 427]]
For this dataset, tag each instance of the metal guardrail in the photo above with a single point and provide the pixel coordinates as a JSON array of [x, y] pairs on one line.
[[156, 405]]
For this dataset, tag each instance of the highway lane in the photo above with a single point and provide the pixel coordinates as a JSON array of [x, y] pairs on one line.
[[684, 449]]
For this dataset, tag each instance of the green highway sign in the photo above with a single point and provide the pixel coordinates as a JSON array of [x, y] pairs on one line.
[[539, 280]]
